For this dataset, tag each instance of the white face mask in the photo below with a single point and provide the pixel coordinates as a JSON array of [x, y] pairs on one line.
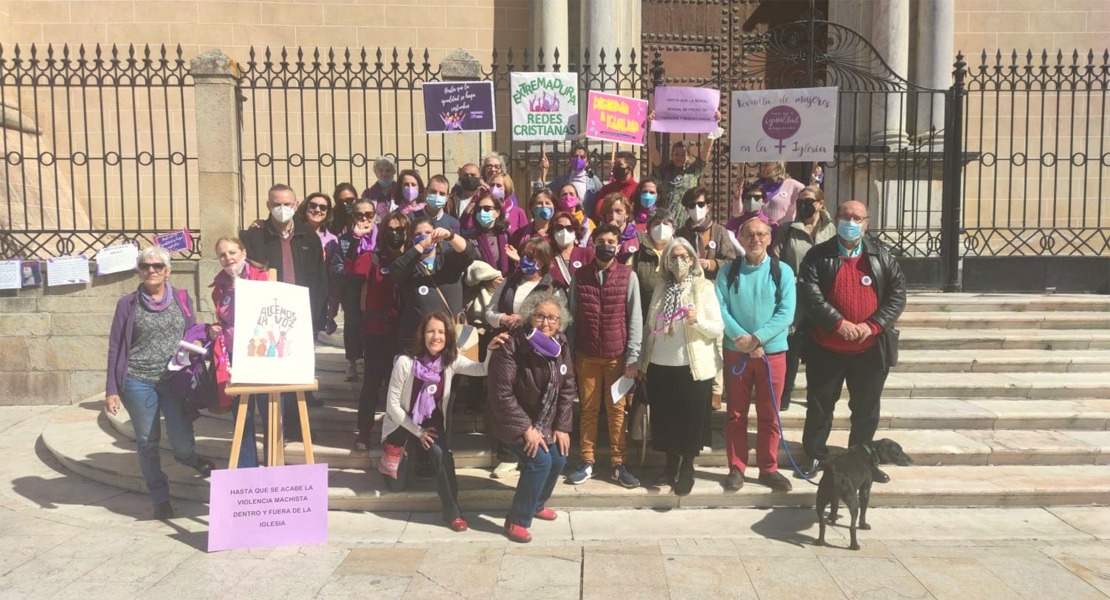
[[236, 269], [282, 214], [662, 233], [564, 238], [697, 213]]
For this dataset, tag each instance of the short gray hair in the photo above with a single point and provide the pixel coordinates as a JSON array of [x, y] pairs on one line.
[[384, 161], [533, 302], [156, 252], [665, 260]]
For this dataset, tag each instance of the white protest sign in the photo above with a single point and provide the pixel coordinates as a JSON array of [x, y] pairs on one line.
[[544, 106], [11, 276], [117, 259], [796, 125], [273, 334], [67, 270]]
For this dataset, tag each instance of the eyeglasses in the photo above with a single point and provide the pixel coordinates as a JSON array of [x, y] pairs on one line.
[[542, 318], [808, 200], [494, 166], [751, 236], [365, 215], [564, 227], [347, 199], [487, 208], [697, 204], [156, 267], [318, 207], [852, 218], [392, 230]]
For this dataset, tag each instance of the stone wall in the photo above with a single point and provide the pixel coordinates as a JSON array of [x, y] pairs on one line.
[[1024, 25], [54, 340]]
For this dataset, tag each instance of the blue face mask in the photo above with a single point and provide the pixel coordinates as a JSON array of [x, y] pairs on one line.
[[528, 266], [386, 182], [485, 218], [849, 231], [436, 201], [647, 199], [543, 213]]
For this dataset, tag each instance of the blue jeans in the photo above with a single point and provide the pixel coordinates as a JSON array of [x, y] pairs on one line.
[[291, 425], [538, 476], [144, 401]]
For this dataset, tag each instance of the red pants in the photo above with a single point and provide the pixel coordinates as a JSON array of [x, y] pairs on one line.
[[739, 393]]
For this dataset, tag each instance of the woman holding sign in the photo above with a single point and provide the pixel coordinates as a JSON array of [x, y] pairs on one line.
[[417, 409], [148, 326]]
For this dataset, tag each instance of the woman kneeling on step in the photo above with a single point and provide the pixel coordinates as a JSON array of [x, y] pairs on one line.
[[530, 406], [417, 410]]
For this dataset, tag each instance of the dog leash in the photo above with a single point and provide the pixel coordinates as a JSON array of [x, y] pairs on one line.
[[742, 365]]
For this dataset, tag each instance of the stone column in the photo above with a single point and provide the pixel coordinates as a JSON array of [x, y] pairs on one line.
[[609, 25], [550, 31], [933, 62], [890, 34], [218, 128], [461, 147]]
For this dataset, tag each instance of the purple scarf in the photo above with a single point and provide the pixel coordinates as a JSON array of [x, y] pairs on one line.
[[544, 344], [430, 373], [156, 305], [629, 232], [366, 242], [770, 188]]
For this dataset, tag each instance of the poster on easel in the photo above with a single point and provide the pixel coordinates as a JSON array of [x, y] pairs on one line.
[[273, 334]]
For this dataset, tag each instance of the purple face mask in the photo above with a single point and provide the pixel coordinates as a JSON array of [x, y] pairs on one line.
[[577, 164], [410, 193], [544, 344]]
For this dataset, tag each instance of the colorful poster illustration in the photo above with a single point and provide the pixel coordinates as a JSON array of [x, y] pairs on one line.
[[273, 334], [614, 118], [458, 106], [796, 124], [544, 106]]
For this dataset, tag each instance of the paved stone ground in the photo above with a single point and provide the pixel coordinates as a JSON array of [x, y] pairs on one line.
[[67, 537]]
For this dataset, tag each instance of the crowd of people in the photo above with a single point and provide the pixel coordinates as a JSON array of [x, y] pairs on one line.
[[573, 287]]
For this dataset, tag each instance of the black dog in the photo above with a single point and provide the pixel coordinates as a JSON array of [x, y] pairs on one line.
[[848, 477]]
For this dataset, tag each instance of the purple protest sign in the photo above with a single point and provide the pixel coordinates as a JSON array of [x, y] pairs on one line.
[[685, 109], [458, 106], [174, 241], [268, 506]]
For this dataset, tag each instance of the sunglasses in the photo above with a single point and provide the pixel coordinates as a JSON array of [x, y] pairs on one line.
[[697, 204], [393, 230], [156, 267], [365, 215], [318, 207], [564, 228], [487, 208]]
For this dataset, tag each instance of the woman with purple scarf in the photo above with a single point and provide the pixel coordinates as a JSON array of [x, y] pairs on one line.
[[148, 326], [491, 234], [417, 407]]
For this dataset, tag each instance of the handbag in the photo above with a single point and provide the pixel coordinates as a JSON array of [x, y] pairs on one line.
[[466, 335], [390, 462], [639, 430]]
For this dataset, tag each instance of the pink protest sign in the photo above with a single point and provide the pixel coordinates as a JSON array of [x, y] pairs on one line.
[[268, 506], [685, 109], [616, 118]]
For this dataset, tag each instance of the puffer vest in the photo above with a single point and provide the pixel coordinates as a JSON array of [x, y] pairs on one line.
[[602, 325]]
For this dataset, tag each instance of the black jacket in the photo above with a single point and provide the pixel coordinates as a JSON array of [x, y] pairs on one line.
[[263, 246], [818, 271], [418, 289]]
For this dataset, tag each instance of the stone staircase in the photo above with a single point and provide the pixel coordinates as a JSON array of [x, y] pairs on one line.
[[1000, 399]]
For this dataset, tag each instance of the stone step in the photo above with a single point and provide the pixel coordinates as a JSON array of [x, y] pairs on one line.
[[86, 445], [1007, 320], [948, 303], [933, 338]]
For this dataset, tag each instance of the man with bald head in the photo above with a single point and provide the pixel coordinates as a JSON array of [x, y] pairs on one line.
[[757, 294], [853, 291]]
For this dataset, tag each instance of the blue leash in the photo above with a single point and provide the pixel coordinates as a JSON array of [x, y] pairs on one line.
[[742, 365]]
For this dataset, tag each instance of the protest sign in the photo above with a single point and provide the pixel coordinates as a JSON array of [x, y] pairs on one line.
[[616, 118], [11, 276], [458, 106], [273, 334], [117, 259], [544, 106], [792, 125], [175, 241], [685, 110], [67, 270], [268, 506]]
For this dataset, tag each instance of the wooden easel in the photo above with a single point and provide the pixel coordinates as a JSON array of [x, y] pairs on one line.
[[275, 452]]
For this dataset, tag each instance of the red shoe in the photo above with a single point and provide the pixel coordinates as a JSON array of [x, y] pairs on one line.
[[458, 524], [517, 533], [546, 514]]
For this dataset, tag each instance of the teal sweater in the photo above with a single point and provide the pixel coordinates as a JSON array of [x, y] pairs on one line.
[[748, 307]]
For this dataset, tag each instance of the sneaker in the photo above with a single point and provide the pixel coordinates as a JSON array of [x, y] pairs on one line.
[[517, 533], [504, 469], [204, 467], [581, 474], [458, 524], [734, 481], [163, 510], [546, 514], [623, 476], [776, 481]]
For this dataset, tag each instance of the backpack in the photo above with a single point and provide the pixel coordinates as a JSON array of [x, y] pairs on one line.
[[733, 275]]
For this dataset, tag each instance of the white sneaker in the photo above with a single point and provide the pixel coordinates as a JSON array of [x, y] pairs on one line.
[[504, 469]]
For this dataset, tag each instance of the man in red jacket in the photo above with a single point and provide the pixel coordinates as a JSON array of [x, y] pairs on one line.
[[853, 291]]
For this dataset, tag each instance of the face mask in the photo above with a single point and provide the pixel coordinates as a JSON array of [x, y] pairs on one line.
[[564, 238], [542, 343], [528, 266], [543, 213], [568, 201], [485, 219], [282, 214], [605, 252], [619, 173], [436, 201], [396, 239], [350, 208], [577, 164], [410, 193], [497, 192], [386, 182], [806, 211], [662, 233], [647, 199], [849, 231], [752, 204], [680, 266], [236, 269], [697, 213], [470, 182]]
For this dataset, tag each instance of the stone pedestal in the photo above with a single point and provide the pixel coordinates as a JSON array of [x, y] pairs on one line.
[[462, 147]]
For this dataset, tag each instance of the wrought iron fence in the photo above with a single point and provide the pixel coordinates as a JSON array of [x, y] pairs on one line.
[[1038, 130], [97, 147]]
